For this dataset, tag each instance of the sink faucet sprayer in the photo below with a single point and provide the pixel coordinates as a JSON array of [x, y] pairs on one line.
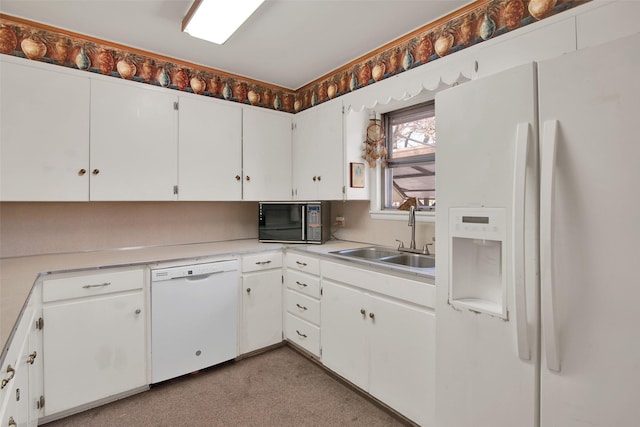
[[412, 245], [412, 224]]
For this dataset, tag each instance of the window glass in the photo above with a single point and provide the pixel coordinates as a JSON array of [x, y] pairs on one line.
[[411, 143]]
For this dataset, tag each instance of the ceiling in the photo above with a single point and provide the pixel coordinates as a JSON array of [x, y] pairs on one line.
[[288, 43]]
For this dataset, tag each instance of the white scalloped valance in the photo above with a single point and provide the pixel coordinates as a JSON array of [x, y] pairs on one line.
[[428, 78]]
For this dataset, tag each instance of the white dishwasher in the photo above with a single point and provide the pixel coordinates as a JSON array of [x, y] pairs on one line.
[[194, 312]]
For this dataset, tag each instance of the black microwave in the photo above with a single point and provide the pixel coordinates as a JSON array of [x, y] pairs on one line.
[[294, 222]]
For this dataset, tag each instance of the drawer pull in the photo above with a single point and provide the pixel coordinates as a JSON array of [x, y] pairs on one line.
[[301, 307], [31, 358], [99, 285], [5, 381], [363, 312], [300, 334], [263, 262], [372, 316], [302, 285], [304, 264], [12, 422]]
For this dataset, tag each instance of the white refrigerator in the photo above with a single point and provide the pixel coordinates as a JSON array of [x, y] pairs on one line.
[[538, 230]]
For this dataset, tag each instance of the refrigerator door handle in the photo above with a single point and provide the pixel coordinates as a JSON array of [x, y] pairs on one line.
[[518, 223], [547, 285]]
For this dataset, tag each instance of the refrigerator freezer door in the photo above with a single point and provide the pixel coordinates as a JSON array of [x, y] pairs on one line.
[[594, 95], [486, 375]]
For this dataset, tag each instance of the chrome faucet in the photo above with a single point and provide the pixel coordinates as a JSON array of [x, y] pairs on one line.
[[412, 244], [412, 224]]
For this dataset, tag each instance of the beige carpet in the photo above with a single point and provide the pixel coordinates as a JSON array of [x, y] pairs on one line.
[[278, 388]]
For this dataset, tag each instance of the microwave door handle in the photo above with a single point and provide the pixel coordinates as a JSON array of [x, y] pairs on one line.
[[303, 212]]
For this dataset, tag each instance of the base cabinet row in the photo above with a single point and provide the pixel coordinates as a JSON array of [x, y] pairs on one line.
[[94, 345]]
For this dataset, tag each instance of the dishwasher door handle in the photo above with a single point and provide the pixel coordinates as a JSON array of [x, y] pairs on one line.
[[199, 277]]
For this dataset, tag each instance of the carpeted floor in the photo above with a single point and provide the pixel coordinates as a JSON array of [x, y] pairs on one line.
[[278, 388]]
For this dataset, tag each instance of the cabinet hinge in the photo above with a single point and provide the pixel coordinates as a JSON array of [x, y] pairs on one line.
[[282, 279], [40, 403], [175, 189], [40, 323], [344, 189], [176, 106], [343, 109], [320, 351], [321, 291], [293, 126]]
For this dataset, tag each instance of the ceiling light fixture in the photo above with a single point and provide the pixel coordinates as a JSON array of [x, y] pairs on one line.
[[216, 20]]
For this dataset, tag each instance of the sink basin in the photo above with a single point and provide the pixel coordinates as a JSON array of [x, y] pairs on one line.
[[390, 256], [411, 260], [367, 253]]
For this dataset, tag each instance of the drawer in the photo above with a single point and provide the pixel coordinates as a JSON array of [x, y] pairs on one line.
[[91, 284], [303, 283], [261, 261], [303, 263], [304, 334], [303, 307]]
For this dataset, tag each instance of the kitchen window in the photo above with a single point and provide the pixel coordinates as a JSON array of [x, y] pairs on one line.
[[411, 145]]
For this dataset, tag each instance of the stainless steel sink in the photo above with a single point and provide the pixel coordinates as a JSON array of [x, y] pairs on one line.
[[367, 253], [411, 260], [389, 256]]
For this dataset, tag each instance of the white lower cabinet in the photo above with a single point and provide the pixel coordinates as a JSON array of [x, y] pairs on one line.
[[261, 322], [381, 341], [94, 338]]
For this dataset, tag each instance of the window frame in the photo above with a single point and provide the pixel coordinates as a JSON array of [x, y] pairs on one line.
[[381, 180]]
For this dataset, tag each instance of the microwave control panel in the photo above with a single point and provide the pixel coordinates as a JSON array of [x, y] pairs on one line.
[[314, 222]]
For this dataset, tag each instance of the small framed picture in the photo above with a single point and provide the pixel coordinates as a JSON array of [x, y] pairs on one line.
[[357, 175]]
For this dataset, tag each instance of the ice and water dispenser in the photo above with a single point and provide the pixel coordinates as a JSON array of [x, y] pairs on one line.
[[477, 260]]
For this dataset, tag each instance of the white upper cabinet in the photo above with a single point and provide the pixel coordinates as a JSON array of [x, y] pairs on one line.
[[44, 133], [209, 149], [134, 142], [318, 153], [266, 154]]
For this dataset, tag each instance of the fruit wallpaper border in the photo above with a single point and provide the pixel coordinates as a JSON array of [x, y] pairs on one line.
[[473, 24]]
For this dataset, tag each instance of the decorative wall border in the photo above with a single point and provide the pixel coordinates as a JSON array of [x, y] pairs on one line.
[[475, 23]]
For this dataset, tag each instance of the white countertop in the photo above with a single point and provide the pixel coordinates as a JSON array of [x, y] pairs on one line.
[[17, 275]]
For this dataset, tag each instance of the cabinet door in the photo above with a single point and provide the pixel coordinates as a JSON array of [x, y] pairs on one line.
[[133, 142], [402, 358], [93, 348], [304, 156], [330, 151], [344, 315], [44, 137], [261, 310], [266, 155], [209, 150], [318, 153]]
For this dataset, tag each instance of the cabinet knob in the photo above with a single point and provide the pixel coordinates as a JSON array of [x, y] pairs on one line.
[[248, 178], [314, 178], [12, 422], [248, 291], [32, 358], [138, 311], [372, 316], [363, 312], [238, 178], [95, 171], [81, 172], [319, 178]]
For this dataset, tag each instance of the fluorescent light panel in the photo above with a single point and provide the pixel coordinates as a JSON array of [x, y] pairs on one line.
[[216, 20]]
